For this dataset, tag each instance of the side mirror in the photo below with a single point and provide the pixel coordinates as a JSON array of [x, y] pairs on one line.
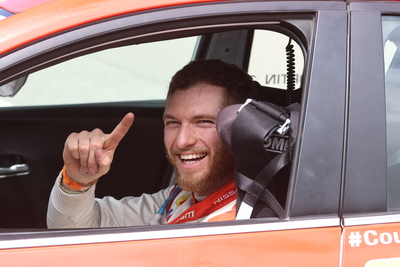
[[11, 89]]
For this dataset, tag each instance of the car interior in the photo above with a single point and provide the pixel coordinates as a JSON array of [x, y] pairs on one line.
[[33, 134]]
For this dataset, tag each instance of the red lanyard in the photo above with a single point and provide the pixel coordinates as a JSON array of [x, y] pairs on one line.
[[212, 203]]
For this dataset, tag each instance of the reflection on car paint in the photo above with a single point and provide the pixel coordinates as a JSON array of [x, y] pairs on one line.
[[392, 262]]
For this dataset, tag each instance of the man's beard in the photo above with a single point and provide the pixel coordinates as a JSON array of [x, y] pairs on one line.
[[219, 171]]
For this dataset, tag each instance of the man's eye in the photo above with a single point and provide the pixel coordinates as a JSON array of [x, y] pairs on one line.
[[207, 122], [171, 123]]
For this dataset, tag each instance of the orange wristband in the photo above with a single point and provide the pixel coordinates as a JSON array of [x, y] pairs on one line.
[[72, 183]]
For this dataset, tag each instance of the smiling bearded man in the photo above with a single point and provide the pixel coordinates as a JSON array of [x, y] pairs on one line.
[[200, 160], [205, 189]]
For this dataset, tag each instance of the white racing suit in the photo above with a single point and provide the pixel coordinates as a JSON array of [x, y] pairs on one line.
[[85, 211]]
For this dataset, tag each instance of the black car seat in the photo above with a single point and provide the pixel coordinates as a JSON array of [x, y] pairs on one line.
[[261, 137]]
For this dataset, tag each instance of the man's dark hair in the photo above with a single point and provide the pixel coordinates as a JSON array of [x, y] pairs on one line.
[[238, 84]]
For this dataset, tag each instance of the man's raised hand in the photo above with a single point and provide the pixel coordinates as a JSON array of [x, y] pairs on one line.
[[88, 155]]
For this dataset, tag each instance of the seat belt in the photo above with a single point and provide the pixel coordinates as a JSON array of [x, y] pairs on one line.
[[257, 126]]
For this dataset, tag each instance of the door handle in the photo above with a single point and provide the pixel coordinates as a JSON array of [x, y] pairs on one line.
[[12, 166]]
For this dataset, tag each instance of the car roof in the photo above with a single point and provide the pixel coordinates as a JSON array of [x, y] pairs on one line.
[[25, 21], [46, 17]]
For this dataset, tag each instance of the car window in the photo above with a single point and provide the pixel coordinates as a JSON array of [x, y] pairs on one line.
[[142, 72], [136, 72], [391, 42], [269, 59]]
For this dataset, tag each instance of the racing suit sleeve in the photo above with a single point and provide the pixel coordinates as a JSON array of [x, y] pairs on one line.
[[85, 211]]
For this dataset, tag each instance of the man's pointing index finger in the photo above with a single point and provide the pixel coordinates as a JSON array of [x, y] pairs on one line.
[[119, 131]]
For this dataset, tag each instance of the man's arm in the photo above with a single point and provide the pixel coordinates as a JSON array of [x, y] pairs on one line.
[[84, 211], [72, 209]]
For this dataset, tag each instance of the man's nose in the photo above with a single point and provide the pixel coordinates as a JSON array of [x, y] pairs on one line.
[[186, 137]]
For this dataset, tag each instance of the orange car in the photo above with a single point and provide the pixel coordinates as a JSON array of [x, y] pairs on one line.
[[82, 64]]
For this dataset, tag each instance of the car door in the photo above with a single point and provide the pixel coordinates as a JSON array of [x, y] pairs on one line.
[[371, 202], [311, 230]]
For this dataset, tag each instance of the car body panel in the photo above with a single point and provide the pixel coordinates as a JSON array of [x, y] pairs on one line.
[[254, 248], [20, 5], [336, 209], [371, 242]]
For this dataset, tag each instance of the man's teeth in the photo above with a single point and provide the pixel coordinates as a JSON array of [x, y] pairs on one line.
[[190, 159]]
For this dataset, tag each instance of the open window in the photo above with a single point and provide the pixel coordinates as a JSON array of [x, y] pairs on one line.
[[94, 91]]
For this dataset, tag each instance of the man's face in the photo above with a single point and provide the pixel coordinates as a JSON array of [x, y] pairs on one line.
[[192, 143]]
